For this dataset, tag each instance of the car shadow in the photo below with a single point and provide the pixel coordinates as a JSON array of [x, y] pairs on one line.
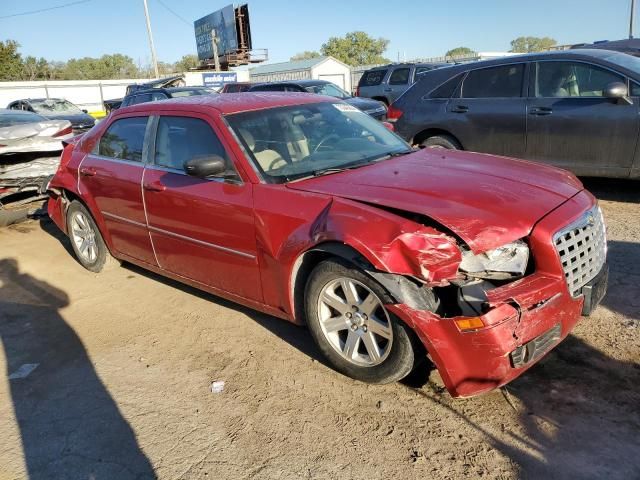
[[69, 425], [623, 293]]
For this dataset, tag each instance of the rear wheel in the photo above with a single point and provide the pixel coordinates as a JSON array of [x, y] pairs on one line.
[[351, 326], [86, 240], [442, 141]]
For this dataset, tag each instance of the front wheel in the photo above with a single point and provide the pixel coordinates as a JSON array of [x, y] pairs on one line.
[[86, 240], [351, 326], [442, 141]]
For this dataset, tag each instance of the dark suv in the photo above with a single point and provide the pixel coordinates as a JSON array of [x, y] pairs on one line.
[[374, 108], [577, 109], [388, 82], [155, 94]]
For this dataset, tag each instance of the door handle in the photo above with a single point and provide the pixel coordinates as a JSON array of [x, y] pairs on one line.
[[87, 171], [154, 187], [460, 109], [541, 111]]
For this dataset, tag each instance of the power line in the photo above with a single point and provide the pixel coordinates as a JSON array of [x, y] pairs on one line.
[[31, 12], [175, 14]]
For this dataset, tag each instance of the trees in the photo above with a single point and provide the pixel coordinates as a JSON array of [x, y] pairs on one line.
[[10, 61], [459, 52], [306, 55], [186, 63], [532, 44], [356, 48]]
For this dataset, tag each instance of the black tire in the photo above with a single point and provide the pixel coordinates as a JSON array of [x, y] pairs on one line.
[[442, 141], [400, 358], [102, 257]]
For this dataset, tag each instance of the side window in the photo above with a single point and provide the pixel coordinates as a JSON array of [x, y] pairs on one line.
[[184, 138], [400, 76], [420, 70], [495, 82], [635, 89], [158, 96], [124, 139], [372, 78], [142, 98], [572, 79], [447, 89]]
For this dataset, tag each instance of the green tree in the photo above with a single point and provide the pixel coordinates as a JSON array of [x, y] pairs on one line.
[[10, 61], [356, 48], [306, 55], [532, 44], [35, 69], [106, 67], [459, 52], [186, 63]]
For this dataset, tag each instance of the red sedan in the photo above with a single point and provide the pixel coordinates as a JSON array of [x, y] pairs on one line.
[[305, 208]]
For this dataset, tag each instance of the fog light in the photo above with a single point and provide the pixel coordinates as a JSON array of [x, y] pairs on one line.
[[471, 323]]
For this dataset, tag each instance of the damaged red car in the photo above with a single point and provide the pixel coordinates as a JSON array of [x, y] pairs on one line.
[[305, 208]]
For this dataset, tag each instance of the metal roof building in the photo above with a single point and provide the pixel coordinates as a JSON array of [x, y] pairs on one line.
[[320, 68]]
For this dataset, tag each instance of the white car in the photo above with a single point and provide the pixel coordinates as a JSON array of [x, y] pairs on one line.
[[22, 132]]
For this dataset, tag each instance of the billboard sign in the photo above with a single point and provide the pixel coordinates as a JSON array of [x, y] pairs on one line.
[[218, 79], [223, 21]]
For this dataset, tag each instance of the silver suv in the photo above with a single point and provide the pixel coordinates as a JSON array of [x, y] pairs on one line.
[[386, 83]]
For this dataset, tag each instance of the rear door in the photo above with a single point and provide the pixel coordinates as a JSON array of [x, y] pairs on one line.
[[112, 176], [202, 229], [397, 83], [488, 114], [572, 125]]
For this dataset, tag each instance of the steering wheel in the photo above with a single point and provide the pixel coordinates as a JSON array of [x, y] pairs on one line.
[[325, 139], [276, 161]]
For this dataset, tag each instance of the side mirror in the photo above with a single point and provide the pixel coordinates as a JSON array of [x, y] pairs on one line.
[[618, 91], [203, 167], [85, 111]]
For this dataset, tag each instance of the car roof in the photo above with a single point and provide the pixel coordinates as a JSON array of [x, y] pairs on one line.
[[5, 111], [406, 64], [230, 102]]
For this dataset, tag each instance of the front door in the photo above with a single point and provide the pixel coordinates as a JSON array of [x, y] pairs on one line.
[[572, 125], [112, 175], [202, 229], [489, 114]]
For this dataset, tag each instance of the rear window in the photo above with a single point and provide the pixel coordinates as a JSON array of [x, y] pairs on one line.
[[495, 82], [372, 78], [447, 89], [400, 76], [11, 119], [124, 139]]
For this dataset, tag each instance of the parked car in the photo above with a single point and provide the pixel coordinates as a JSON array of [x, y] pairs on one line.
[[307, 209], [23, 131], [166, 82], [155, 94], [376, 109], [235, 87], [386, 83], [577, 109], [56, 109]]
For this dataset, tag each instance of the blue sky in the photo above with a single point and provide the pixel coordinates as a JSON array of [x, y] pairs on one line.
[[415, 28]]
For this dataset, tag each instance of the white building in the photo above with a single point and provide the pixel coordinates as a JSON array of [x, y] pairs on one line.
[[320, 68]]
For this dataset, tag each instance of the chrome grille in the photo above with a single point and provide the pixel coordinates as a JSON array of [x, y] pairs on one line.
[[582, 247], [536, 348]]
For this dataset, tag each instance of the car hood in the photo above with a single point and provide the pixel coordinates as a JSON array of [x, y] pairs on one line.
[[364, 104], [486, 200], [79, 119]]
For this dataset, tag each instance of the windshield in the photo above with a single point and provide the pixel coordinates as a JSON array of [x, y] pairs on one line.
[[54, 105], [11, 119], [190, 93], [328, 89], [289, 143]]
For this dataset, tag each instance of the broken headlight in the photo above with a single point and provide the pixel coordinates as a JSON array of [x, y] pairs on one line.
[[502, 263]]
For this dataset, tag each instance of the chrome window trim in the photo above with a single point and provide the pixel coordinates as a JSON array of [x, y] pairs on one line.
[[201, 242]]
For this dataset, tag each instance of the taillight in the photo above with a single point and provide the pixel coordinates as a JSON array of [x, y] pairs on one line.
[[393, 113], [66, 155], [358, 91], [64, 131]]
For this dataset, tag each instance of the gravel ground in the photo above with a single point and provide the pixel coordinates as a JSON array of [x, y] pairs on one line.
[[125, 362]]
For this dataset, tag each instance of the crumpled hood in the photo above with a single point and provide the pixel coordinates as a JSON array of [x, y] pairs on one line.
[[76, 119], [486, 200]]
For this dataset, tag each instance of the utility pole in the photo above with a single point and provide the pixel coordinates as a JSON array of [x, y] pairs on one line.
[[633, 9], [153, 48], [214, 49]]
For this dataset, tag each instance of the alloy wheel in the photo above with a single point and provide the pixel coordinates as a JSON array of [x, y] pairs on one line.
[[84, 237]]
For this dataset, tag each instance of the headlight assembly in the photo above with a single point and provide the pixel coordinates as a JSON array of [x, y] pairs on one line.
[[502, 263]]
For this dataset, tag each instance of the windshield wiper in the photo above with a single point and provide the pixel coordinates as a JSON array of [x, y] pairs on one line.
[[330, 170]]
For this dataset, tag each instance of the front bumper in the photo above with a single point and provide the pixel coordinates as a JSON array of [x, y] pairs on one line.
[[527, 318]]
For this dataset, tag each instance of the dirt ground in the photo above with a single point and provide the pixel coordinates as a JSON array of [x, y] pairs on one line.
[[126, 360]]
